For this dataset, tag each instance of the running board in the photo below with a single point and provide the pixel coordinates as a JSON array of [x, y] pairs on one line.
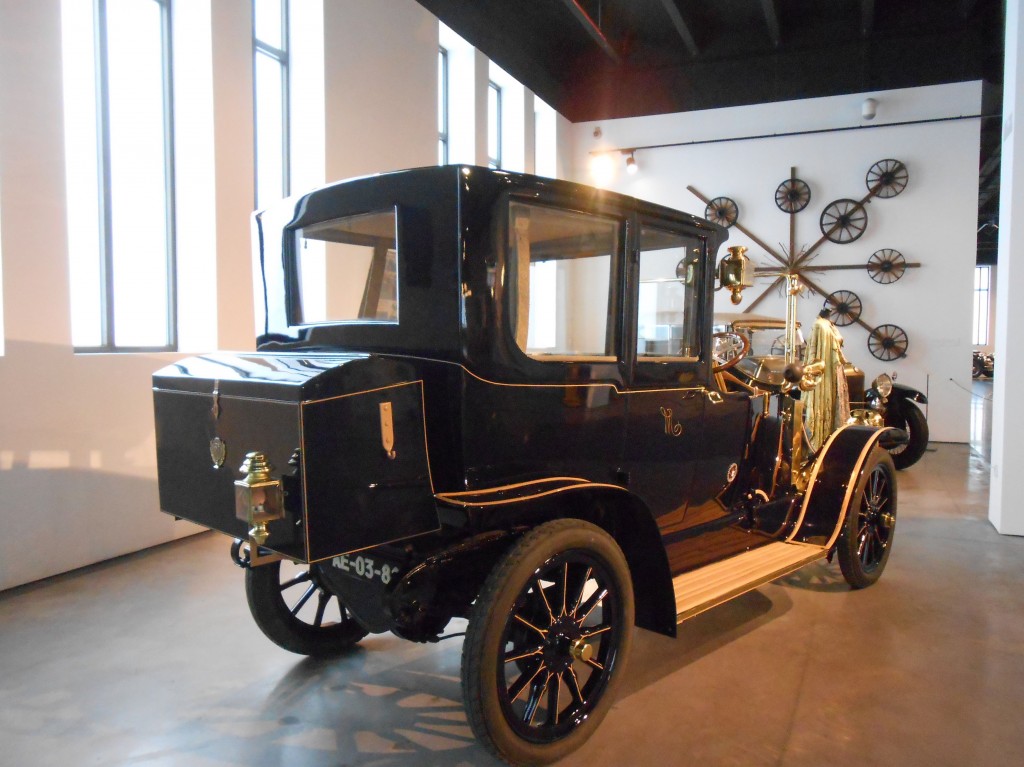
[[710, 586]]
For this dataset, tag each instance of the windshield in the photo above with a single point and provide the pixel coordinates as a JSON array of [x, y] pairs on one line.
[[348, 270]]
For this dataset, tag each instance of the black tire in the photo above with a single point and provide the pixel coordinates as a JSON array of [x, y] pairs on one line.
[[866, 540], [282, 603], [978, 369], [907, 416], [526, 635]]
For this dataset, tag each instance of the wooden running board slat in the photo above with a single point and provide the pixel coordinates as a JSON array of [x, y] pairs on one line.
[[709, 586]]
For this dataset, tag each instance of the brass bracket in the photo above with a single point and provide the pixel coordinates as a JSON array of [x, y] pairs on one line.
[[387, 430]]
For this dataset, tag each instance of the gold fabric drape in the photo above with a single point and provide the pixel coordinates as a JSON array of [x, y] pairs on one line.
[[827, 404]]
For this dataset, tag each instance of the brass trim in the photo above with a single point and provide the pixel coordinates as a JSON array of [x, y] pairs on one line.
[[672, 429], [811, 479], [854, 475], [577, 484], [387, 430]]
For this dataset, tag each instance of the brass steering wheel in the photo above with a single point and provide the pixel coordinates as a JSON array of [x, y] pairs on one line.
[[727, 349]]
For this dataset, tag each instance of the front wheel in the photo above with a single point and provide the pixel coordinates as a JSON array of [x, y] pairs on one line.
[[547, 640], [907, 416], [866, 540], [297, 612]]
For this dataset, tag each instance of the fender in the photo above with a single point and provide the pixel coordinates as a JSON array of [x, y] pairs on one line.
[[833, 478], [613, 508], [902, 392]]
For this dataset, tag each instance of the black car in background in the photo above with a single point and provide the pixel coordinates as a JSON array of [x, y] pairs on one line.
[[490, 395], [885, 402]]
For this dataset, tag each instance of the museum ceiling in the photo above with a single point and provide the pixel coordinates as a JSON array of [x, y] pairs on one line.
[[600, 59]]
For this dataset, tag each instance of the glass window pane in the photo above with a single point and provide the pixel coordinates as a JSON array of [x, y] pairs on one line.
[[442, 91], [138, 178], [269, 130], [81, 158], [267, 22], [562, 262], [669, 289], [348, 269]]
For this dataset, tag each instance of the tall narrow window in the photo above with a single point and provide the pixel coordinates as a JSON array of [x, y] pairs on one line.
[[493, 125], [270, 90], [982, 292], [120, 179], [442, 106]]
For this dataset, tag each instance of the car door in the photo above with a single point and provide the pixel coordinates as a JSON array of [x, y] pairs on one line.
[[666, 399]]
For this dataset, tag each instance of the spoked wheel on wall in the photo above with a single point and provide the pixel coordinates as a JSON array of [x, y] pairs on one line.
[[866, 540], [296, 611], [546, 642]]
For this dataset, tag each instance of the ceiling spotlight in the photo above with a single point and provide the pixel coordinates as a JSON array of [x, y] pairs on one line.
[[869, 109], [631, 166]]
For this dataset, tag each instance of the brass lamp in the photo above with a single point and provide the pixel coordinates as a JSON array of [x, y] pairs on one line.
[[736, 272], [258, 498]]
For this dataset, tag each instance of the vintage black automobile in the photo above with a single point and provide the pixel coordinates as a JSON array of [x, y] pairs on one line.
[[982, 364], [762, 362], [490, 395]]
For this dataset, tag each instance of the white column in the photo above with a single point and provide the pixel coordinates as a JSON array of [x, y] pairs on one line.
[[1005, 510]]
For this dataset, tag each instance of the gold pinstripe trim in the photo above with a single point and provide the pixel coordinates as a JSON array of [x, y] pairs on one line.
[[612, 386], [861, 460], [577, 484], [814, 476], [577, 480]]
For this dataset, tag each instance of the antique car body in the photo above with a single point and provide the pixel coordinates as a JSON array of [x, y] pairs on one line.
[[763, 365], [982, 364], [490, 395]]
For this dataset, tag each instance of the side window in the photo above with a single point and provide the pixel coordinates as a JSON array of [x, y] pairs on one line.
[[348, 270], [561, 263], [669, 291]]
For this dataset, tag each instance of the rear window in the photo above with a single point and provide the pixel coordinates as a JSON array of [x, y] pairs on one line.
[[348, 270]]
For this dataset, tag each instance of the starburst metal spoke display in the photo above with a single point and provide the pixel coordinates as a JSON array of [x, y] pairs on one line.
[[842, 222]]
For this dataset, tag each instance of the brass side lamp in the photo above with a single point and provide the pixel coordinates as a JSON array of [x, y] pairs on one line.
[[259, 499], [736, 272]]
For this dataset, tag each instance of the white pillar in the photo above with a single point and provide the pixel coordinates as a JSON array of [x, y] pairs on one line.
[[1005, 510]]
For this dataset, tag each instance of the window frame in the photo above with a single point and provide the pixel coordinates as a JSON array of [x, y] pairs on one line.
[[282, 57], [981, 330], [108, 338], [494, 161], [443, 133], [614, 331], [293, 272]]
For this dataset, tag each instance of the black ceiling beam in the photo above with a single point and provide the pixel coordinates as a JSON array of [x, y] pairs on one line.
[[592, 29], [967, 8], [681, 26], [771, 18], [867, 17]]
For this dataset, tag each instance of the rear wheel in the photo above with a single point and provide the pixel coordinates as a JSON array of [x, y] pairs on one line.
[[866, 540], [908, 417], [546, 643], [297, 612]]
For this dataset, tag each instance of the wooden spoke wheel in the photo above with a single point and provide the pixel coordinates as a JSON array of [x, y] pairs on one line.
[[886, 265], [887, 178], [888, 342], [727, 349], [844, 307], [792, 195], [844, 221], [722, 210]]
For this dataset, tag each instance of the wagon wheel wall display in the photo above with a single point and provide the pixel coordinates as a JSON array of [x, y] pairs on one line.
[[886, 266], [887, 178], [792, 195], [722, 210], [888, 342], [844, 307], [844, 221]]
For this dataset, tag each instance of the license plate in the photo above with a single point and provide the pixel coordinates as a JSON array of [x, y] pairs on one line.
[[366, 567]]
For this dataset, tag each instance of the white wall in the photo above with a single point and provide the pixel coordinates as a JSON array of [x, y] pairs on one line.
[[77, 462], [933, 221]]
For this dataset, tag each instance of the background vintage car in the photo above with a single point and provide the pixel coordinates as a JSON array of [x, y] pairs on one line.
[[764, 363]]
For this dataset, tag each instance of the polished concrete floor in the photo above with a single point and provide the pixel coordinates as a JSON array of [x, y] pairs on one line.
[[152, 659]]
